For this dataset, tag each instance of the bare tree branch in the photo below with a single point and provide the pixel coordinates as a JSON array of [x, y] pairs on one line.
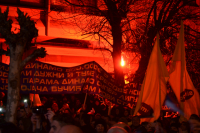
[[103, 49], [85, 6], [36, 53]]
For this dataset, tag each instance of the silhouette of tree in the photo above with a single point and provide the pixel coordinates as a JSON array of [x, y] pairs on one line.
[[132, 25], [18, 44]]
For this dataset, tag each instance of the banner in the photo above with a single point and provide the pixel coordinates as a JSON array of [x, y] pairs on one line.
[[43, 78]]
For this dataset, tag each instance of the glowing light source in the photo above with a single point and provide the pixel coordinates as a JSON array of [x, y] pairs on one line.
[[25, 100], [122, 61]]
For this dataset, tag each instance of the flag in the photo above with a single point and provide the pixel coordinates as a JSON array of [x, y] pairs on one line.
[[153, 90], [35, 98], [187, 95]]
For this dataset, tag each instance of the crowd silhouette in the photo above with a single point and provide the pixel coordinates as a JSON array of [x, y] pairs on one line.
[[68, 113]]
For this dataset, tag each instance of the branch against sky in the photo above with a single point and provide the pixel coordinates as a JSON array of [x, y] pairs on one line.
[[139, 23]]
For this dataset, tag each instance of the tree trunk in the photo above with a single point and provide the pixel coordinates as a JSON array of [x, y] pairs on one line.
[[145, 51], [140, 73], [14, 83], [117, 43]]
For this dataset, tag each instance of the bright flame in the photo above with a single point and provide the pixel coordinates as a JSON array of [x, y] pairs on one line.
[[122, 61]]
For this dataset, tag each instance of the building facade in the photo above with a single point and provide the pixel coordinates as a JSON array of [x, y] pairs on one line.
[[65, 47]]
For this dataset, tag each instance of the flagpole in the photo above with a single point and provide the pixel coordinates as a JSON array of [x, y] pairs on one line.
[[158, 47], [182, 63], [35, 76], [109, 109], [85, 101]]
